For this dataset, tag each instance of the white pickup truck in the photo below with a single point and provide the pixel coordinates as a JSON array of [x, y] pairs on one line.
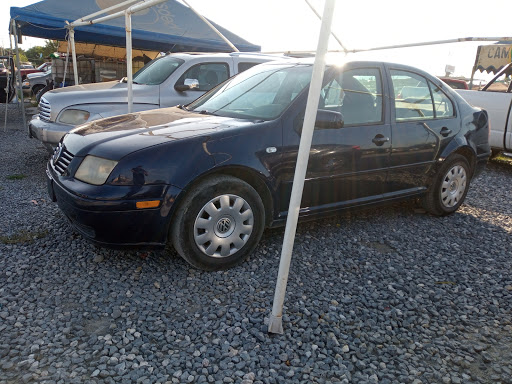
[[496, 98]]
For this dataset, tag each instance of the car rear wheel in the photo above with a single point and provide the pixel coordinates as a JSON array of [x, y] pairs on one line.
[[218, 224], [450, 187]]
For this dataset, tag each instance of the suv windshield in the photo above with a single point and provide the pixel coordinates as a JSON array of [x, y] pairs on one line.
[[155, 72], [262, 92]]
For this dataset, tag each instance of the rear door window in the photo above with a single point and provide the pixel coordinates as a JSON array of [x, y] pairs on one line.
[[413, 100], [244, 66]]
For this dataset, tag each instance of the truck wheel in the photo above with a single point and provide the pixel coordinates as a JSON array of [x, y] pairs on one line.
[[36, 88], [494, 153], [450, 186], [218, 224]]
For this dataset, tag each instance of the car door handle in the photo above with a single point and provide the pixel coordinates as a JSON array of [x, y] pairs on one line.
[[445, 131], [380, 140]]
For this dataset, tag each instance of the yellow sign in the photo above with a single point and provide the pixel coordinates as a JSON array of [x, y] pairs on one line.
[[491, 58]]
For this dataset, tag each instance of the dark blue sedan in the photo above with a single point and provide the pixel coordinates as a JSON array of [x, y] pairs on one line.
[[210, 176]]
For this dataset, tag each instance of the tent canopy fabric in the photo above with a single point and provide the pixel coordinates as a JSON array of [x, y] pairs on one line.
[[169, 26]]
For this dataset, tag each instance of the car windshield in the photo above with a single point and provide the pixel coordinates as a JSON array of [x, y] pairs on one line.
[[156, 71], [262, 92]]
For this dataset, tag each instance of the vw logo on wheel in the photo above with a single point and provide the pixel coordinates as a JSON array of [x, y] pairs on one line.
[[223, 225]]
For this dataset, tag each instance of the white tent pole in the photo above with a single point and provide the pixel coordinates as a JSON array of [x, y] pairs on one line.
[[459, 40], [18, 66], [143, 4], [235, 49], [109, 9], [66, 64], [8, 81], [276, 322], [73, 53], [129, 69], [332, 33]]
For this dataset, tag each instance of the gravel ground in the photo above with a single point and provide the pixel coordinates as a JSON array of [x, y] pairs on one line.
[[385, 296]]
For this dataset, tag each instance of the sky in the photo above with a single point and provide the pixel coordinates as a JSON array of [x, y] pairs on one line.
[[279, 25]]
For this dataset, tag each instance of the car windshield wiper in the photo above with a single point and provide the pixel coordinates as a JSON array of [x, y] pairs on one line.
[[205, 112], [181, 106]]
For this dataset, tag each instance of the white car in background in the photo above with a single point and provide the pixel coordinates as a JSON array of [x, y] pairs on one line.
[[496, 98]]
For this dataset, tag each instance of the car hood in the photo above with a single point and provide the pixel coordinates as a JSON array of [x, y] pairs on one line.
[[115, 137], [101, 93], [37, 74]]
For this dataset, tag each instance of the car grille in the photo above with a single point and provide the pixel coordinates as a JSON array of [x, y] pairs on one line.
[[61, 159], [44, 109]]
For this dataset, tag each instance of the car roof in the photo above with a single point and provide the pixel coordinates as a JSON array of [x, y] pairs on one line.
[[244, 55]]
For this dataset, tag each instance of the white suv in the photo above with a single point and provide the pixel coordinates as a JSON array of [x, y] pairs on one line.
[[177, 78]]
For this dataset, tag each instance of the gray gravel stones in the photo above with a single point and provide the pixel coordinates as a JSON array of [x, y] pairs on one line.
[[384, 296]]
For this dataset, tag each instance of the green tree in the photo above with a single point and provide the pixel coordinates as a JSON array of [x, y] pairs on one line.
[[39, 54], [35, 54]]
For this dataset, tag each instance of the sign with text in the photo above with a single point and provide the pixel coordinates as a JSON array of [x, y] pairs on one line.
[[491, 58]]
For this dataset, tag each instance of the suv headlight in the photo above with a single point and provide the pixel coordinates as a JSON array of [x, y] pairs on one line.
[[74, 116], [95, 170]]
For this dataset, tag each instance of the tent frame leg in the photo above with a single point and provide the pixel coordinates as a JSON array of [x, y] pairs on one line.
[[275, 323], [14, 28]]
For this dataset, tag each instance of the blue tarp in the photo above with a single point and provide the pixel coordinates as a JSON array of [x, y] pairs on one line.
[[169, 26]]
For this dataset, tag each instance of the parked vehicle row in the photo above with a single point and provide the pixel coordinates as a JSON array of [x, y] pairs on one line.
[[35, 82], [208, 177], [27, 68], [164, 82]]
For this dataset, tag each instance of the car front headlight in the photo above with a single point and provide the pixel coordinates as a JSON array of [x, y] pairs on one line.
[[26, 84], [74, 116], [95, 170]]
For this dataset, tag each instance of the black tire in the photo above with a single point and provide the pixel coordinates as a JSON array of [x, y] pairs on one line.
[[235, 228], [36, 88], [40, 94], [494, 153], [450, 186]]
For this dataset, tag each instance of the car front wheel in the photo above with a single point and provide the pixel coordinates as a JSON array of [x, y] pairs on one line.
[[450, 186], [218, 224]]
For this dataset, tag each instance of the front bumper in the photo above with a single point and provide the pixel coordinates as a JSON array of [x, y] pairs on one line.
[[49, 133], [115, 223]]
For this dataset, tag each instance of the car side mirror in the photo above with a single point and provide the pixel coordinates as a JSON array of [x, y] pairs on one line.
[[328, 119], [187, 85]]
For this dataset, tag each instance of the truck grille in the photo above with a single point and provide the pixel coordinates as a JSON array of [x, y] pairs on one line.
[[44, 109], [61, 159]]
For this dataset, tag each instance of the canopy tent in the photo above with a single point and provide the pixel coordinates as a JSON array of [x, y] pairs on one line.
[[170, 26]]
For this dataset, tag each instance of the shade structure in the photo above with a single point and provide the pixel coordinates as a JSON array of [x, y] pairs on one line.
[[168, 27]]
